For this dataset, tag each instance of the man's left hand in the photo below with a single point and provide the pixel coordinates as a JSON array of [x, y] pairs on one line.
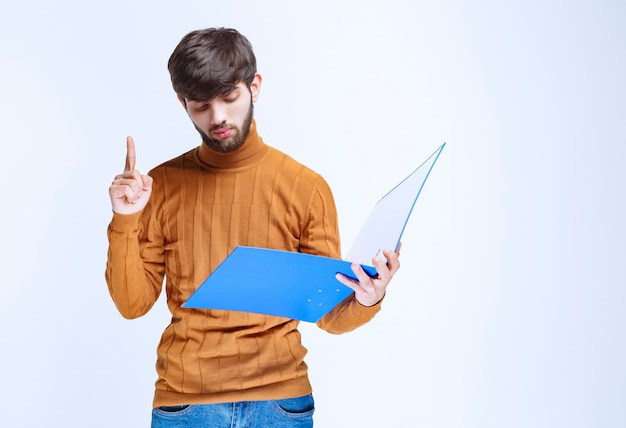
[[370, 290]]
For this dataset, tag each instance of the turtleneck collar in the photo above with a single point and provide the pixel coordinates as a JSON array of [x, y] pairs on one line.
[[249, 154]]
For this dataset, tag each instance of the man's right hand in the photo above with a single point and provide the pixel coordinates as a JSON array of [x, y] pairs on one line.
[[130, 191]]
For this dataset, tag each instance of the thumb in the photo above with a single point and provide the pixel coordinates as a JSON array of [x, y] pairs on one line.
[[147, 183]]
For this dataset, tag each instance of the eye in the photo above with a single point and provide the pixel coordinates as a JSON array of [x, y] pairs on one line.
[[231, 96]]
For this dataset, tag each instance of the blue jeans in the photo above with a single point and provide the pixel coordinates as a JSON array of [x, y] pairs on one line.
[[286, 413]]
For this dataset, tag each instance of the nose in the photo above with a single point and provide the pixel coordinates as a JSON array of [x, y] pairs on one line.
[[218, 114]]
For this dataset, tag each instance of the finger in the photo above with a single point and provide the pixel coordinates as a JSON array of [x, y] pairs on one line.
[[352, 283], [368, 291], [125, 188], [347, 281], [147, 183], [130, 154], [364, 280], [382, 269], [393, 261], [130, 178]]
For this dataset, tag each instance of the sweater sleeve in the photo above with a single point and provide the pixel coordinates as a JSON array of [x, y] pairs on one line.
[[135, 264], [321, 237], [348, 315]]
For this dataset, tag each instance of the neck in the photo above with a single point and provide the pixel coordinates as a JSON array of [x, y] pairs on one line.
[[251, 152]]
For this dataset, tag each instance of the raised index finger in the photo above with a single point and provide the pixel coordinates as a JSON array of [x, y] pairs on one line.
[[130, 155]]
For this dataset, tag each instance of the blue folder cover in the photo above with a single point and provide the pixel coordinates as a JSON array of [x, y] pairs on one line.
[[282, 283], [303, 286]]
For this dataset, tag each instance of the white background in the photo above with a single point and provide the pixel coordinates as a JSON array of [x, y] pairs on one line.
[[508, 310]]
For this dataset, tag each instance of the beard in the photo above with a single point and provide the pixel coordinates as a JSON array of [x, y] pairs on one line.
[[232, 143]]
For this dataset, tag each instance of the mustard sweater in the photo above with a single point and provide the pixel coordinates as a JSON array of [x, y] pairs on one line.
[[202, 206]]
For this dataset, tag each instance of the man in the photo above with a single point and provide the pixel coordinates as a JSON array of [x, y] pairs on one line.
[[225, 368]]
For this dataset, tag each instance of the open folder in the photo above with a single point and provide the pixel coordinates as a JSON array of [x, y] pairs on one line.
[[303, 286]]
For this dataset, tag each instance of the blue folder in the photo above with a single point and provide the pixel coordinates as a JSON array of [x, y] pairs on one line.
[[303, 286]]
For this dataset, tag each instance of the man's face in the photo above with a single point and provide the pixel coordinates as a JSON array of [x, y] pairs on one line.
[[224, 122]]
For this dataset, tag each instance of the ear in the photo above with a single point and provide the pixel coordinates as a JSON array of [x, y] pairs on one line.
[[182, 101], [255, 86]]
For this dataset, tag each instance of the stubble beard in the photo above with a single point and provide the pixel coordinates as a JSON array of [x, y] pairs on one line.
[[233, 143]]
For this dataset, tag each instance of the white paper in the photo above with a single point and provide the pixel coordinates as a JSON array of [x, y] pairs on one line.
[[385, 224]]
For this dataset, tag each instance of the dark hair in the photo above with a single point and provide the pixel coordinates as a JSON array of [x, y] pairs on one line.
[[211, 62]]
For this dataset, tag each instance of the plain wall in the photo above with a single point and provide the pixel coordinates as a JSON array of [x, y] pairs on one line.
[[508, 308]]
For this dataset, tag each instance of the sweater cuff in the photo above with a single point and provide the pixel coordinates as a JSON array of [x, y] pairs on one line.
[[370, 310], [125, 222]]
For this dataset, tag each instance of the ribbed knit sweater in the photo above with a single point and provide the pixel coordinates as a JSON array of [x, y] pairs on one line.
[[202, 206]]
